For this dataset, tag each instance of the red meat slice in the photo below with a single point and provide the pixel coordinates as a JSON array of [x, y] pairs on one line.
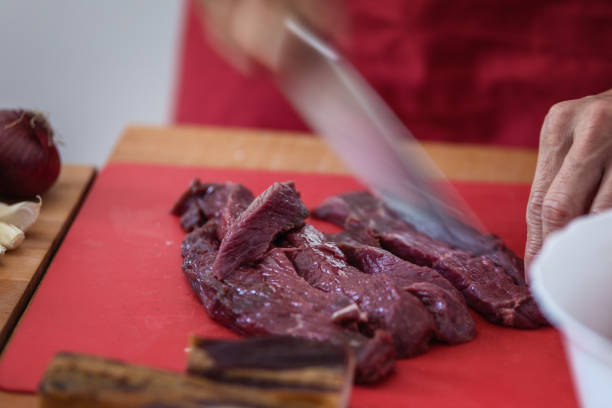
[[487, 287]]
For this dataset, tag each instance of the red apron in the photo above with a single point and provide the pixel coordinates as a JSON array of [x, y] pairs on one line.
[[471, 71]]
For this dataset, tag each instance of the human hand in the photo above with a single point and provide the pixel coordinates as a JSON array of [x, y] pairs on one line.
[[574, 169], [247, 31]]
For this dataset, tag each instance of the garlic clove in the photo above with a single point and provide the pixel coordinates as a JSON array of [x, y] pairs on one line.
[[2, 250], [10, 236], [22, 214]]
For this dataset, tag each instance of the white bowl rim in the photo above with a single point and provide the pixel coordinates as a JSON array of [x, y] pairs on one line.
[[579, 334]]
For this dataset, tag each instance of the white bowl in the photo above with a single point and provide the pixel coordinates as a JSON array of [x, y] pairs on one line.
[[571, 280]]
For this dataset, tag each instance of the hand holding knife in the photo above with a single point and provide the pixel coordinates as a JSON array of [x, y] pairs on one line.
[[340, 106]]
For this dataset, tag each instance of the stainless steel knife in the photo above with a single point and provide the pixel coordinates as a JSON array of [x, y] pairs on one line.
[[340, 106]]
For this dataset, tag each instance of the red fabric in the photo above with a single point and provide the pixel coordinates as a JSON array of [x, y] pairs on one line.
[[467, 71], [115, 288]]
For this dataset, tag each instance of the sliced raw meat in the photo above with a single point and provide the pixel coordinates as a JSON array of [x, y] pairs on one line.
[[489, 291], [187, 207], [505, 258], [192, 217], [487, 287], [323, 265], [341, 209], [237, 199], [272, 299], [454, 324], [196, 189], [203, 201], [276, 210], [347, 238]]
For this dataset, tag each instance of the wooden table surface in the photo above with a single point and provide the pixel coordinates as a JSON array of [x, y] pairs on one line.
[[256, 149]]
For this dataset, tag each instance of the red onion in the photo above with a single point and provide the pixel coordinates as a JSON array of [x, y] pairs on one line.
[[29, 160]]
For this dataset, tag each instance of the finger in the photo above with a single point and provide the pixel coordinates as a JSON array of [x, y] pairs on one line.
[[257, 26], [555, 142], [217, 16], [603, 199], [571, 192], [595, 140]]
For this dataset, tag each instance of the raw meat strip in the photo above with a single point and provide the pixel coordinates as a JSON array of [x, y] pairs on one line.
[[203, 201], [322, 265], [271, 298], [337, 209], [276, 210], [187, 207], [454, 324], [487, 287]]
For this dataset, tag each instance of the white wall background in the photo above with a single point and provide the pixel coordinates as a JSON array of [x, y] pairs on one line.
[[92, 66]]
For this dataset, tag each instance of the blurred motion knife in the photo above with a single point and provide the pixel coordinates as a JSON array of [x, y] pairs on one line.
[[339, 105]]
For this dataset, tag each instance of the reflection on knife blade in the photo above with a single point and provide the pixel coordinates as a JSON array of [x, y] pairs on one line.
[[340, 106]]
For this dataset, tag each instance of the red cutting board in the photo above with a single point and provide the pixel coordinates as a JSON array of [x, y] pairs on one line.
[[115, 288]]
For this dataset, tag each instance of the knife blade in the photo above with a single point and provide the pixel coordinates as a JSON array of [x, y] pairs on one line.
[[341, 107]]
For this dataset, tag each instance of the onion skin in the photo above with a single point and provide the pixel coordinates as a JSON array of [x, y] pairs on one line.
[[29, 160]]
